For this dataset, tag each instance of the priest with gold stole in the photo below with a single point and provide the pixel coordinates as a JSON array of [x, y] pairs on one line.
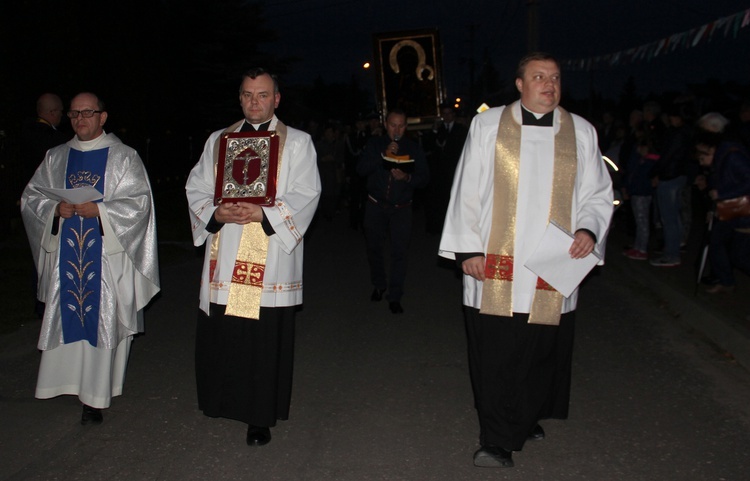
[[251, 282], [524, 166]]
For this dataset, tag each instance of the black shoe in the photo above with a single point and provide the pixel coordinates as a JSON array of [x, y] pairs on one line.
[[536, 434], [493, 457], [91, 415], [377, 294], [258, 436], [709, 280], [395, 307]]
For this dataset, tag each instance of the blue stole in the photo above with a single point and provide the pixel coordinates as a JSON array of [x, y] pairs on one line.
[[81, 253]]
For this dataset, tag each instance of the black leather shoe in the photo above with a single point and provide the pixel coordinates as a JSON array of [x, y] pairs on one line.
[[258, 436], [536, 434], [493, 457], [91, 415], [377, 294], [395, 307]]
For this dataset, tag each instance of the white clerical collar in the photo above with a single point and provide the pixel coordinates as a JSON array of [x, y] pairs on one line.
[[271, 126], [86, 145]]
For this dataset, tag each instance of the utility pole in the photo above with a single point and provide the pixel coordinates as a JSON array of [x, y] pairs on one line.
[[533, 26], [472, 66]]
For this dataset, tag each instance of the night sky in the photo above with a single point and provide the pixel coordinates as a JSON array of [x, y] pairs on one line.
[[175, 65], [333, 37]]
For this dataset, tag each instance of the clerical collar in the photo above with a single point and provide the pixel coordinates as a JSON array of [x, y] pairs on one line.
[[248, 127], [529, 118]]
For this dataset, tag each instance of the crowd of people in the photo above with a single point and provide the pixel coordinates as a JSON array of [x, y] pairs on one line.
[[677, 165]]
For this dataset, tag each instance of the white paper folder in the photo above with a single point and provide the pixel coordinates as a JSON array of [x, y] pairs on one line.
[[552, 262], [78, 195]]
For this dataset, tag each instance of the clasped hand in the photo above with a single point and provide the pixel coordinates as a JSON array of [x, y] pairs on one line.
[[87, 210], [238, 213]]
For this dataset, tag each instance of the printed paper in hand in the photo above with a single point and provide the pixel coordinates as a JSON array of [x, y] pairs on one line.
[[552, 262], [79, 195]]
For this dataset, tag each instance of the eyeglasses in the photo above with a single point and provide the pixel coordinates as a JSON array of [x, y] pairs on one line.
[[86, 114]]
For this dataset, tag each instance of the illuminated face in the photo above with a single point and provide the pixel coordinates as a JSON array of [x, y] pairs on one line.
[[705, 154], [540, 86], [258, 98], [395, 124], [448, 115], [87, 128]]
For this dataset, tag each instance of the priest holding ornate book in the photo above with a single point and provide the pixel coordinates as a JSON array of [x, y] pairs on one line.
[[523, 166], [394, 166], [252, 197]]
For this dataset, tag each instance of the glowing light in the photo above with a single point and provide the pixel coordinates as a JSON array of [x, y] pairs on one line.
[[366, 65], [482, 108], [458, 99], [611, 164]]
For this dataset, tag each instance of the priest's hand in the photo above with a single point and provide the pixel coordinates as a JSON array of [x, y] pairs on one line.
[[65, 210], [474, 267], [238, 213], [87, 210], [582, 246]]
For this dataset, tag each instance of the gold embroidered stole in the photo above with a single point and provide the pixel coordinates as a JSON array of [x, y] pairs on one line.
[[497, 292], [246, 287]]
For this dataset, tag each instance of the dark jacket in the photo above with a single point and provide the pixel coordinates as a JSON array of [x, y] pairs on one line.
[[380, 183], [676, 154], [731, 175]]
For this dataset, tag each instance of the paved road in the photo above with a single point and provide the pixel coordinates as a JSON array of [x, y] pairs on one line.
[[384, 397]]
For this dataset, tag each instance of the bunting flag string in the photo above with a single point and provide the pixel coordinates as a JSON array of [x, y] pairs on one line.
[[726, 26]]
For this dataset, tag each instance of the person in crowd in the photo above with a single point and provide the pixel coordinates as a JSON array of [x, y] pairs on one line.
[[96, 254], [445, 145], [36, 139], [251, 283], [669, 178], [524, 165], [330, 152], [728, 165], [357, 195], [388, 213], [638, 190]]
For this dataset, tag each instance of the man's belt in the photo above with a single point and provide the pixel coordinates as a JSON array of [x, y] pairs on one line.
[[387, 204]]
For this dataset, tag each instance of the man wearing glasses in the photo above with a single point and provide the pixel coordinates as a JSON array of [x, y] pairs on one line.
[[95, 250]]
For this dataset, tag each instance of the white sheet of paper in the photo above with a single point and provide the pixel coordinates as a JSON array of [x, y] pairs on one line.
[[79, 195], [552, 262]]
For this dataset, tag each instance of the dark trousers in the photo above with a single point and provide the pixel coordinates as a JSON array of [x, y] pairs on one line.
[[244, 366], [728, 249], [394, 223], [520, 373]]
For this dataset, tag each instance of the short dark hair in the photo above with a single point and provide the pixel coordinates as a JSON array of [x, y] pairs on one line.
[[531, 57], [397, 111], [99, 102], [256, 72]]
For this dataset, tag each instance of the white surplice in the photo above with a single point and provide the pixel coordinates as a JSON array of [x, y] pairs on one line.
[[469, 218], [297, 194]]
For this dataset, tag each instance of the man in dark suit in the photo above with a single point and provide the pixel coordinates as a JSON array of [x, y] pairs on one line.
[[445, 146]]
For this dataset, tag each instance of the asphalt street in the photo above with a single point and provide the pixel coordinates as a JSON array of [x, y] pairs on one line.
[[659, 392]]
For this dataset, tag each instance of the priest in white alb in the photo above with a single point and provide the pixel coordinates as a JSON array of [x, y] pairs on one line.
[[251, 284], [523, 166], [96, 258]]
